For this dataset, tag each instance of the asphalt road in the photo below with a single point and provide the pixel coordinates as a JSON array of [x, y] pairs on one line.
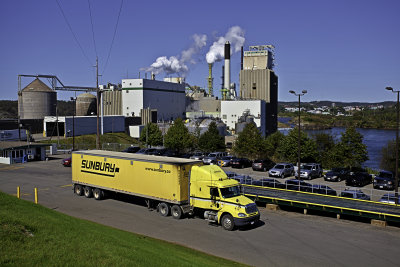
[[281, 239]]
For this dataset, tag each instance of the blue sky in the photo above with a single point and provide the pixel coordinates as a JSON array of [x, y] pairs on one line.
[[337, 50]]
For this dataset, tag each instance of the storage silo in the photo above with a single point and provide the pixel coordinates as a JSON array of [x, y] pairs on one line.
[[36, 101], [85, 104]]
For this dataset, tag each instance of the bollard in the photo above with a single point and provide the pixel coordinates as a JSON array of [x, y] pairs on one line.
[[36, 195], [18, 192]]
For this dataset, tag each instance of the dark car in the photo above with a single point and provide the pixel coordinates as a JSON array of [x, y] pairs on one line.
[[225, 161], [146, 151], [298, 185], [389, 199], [262, 165], [323, 189], [356, 194], [384, 180], [198, 155], [337, 174], [268, 182], [240, 163], [67, 162], [358, 179], [131, 149], [243, 179]]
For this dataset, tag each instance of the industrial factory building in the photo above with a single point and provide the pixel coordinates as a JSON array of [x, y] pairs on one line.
[[231, 111], [259, 81], [82, 124], [168, 98]]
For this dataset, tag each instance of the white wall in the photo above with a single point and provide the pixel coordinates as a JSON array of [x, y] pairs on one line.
[[168, 98], [5, 160], [231, 111]]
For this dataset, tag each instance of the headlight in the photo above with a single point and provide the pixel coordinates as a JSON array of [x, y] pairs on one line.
[[390, 182], [242, 215], [334, 177]]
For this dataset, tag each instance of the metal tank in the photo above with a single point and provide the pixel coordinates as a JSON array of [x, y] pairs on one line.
[[85, 104], [36, 101]]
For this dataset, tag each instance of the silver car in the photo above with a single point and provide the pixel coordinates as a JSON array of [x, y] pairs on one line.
[[282, 170], [310, 171]]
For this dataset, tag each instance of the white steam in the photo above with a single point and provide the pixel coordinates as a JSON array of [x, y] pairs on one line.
[[235, 36], [176, 64]]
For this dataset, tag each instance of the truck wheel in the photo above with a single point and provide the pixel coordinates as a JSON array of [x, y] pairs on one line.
[[176, 212], [227, 222], [88, 192], [78, 189], [98, 194], [163, 208]]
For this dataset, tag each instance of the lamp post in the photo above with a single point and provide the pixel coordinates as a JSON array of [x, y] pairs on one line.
[[298, 138], [396, 182], [73, 123]]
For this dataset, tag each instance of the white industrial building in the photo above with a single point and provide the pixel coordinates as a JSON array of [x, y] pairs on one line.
[[82, 125], [231, 111], [168, 98]]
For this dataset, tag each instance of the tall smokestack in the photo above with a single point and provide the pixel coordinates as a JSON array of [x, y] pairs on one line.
[[227, 75], [210, 79]]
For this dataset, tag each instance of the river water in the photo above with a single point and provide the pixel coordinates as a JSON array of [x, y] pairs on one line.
[[374, 139]]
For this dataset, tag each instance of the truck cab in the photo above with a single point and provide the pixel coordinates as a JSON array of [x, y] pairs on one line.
[[220, 198]]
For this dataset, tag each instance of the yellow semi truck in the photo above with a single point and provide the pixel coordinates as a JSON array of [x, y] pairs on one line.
[[174, 186]]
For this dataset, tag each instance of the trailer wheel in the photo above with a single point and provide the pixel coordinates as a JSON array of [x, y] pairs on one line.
[[163, 208], [227, 222], [78, 189], [98, 194], [87, 191], [176, 212]]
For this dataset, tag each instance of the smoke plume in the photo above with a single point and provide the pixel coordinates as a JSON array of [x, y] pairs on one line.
[[235, 36], [178, 64]]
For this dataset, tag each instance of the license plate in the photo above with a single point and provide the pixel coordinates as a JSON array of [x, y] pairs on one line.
[[381, 186]]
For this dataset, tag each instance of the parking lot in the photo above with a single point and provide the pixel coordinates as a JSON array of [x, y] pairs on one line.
[[375, 194], [275, 241]]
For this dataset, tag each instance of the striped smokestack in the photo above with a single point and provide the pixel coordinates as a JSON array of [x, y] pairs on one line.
[[227, 73]]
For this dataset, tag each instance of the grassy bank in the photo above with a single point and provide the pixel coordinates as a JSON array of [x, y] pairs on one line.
[[32, 235]]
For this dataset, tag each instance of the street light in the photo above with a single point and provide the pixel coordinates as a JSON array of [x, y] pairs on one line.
[[396, 182], [298, 147]]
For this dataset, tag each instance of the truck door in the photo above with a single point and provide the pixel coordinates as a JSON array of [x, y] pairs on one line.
[[215, 198]]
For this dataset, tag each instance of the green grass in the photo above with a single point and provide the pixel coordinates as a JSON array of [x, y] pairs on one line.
[[32, 235]]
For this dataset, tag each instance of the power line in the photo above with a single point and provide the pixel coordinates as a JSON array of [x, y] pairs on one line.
[[91, 21], [73, 34], [112, 42]]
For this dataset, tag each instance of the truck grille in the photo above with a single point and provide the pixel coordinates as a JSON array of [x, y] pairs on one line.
[[251, 208]]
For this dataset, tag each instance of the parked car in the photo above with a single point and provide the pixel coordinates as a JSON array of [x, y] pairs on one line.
[[226, 161], [67, 162], [262, 165], [131, 149], [354, 193], [198, 155], [157, 152], [240, 163], [358, 179], [384, 180], [146, 151], [298, 185], [337, 174], [282, 170], [389, 199], [243, 179], [268, 182], [323, 189], [212, 158], [170, 153], [310, 171]]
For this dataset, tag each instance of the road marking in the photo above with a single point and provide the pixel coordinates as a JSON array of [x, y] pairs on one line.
[[67, 185]]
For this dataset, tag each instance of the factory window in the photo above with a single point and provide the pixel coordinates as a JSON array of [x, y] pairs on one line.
[[127, 91], [254, 86]]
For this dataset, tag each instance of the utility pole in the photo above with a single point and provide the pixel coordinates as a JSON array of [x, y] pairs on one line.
[[97, 104]]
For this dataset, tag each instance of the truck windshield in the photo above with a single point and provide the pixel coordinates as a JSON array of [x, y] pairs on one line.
[[228, 192]]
